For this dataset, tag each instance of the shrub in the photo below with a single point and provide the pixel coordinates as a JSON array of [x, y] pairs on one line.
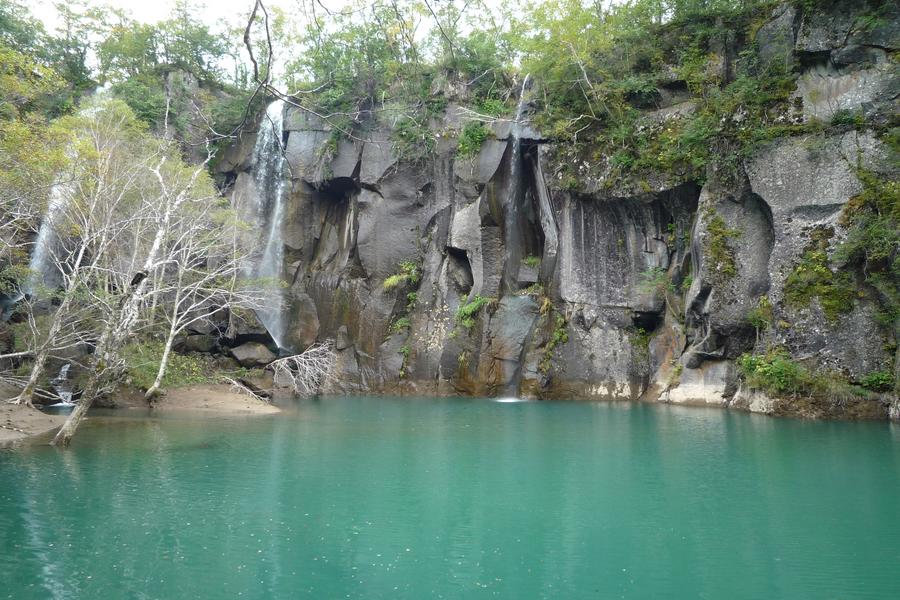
[[878, 381], [465, 314], [773, 372], [399, 325], [531, 261], [408, 273], [655, 281], [763, 315], [473, 136]]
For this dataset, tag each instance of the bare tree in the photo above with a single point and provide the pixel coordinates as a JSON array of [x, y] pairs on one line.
[[176, 187], [96, 208], [204, 278], [308, 373]]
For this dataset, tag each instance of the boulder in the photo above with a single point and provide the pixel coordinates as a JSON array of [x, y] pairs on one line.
[[200, 343], [252, 354]]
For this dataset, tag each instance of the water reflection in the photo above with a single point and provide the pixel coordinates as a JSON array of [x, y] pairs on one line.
[[456, 498]]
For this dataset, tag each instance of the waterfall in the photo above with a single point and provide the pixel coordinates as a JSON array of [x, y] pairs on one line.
[[63, 387], [514, 199], [268, 154], [43, 272]]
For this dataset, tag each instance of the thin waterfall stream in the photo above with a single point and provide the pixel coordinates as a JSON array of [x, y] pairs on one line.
[[516, 191], [270, 187]]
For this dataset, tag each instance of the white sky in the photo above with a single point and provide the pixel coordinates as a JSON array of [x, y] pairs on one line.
[[151, 11]]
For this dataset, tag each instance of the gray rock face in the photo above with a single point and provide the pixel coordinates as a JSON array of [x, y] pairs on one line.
[[775, 39], [833, 25], [826, 90], [252, 354], [641, 291]]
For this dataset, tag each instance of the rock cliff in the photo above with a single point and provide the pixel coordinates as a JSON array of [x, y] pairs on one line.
[[507, 277]]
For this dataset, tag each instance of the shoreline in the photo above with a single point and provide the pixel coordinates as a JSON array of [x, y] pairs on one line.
[[20, 423]]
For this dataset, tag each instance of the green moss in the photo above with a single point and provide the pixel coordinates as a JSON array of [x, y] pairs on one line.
[[872, 244], [404, 351], [408, 273], [640, 342], [560, 335], [813, 277], [716, 247], [399, 325], [535, 289], [465, 314]]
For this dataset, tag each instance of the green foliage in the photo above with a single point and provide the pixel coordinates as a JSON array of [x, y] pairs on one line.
[[813, 277], [872, 244], [774, 373], [686, 283], [878, 381], [762, 316], [412, 139], [846, 117], [531, 261], [778, 375], [716, 247], [408, 273], [399, 325], [466, 313], [655, 281], [594, 83], [560, 335], [142, 363], [472, 137], [146, 97]]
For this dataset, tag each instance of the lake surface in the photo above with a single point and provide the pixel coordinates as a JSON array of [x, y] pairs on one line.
[[456, 498]]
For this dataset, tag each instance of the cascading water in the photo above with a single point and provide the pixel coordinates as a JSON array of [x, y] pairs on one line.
[[268, 156], [514, 200], [40, 265], [63, 387], [43, 273]]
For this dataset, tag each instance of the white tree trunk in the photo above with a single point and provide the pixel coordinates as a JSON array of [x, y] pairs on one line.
[[163, 364]]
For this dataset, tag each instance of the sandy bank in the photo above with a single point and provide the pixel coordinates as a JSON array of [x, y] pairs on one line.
[[18, 421], [213, 398]]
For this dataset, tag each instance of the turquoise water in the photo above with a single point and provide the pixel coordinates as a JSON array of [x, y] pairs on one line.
[[419, 498]]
